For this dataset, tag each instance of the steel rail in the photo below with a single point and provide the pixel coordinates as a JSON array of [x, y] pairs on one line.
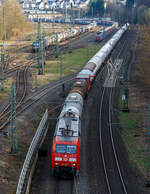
[[41, 95], [111, 135], [100, 136], [25, 84], [53, 52], [75, 183], [20, 66], [101, 144], [3, 114], [112, 142]]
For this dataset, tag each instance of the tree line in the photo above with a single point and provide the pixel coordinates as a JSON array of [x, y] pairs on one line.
[[135, 11], [142, 14], [12, 21], [96, 8]]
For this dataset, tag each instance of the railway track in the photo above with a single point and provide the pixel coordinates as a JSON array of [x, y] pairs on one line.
[[63, 47], [22, 105], [21, 88], [21, 92], [111, 166], [18, 67], [69, 185], [113, 170]]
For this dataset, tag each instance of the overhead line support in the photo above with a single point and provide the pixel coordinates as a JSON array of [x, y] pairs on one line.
[[2, 68], [13, 135]]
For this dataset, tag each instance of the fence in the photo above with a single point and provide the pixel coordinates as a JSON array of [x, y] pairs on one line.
[[34, 146]]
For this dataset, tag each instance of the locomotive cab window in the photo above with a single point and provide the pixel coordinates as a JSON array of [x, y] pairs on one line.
[[66, 149], [71, 149]]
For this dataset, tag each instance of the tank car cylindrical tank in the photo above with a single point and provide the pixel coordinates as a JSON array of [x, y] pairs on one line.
[[99, 58], [90, 66], [74, 103]]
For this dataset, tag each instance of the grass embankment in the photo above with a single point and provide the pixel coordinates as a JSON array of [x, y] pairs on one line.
[[71, 63], [134, 133], [129, 124]]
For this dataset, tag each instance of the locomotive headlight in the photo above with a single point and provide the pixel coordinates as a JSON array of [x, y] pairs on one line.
[[58, 159], [72, 159]]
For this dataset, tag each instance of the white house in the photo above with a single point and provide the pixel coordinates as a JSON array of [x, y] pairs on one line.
[[42, 5]]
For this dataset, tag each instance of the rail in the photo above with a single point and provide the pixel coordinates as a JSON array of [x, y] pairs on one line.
[[40, 131]]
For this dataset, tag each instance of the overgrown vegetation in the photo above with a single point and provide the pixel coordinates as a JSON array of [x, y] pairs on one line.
[[135, 122], [12, 20], [142, 70], [137, 12], [142, 12], [129, 124], [96, 8]]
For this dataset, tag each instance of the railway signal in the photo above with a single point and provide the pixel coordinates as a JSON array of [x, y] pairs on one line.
[[13, 135], [2, 68]]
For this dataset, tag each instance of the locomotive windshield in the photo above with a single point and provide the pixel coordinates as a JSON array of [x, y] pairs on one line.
[[66, 149]]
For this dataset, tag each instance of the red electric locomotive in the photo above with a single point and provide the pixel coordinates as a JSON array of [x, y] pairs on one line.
[[99, 36], [65, 156], [66, 142]]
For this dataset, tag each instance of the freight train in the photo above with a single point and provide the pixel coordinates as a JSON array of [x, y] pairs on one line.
[[66, 146], [70, 33]]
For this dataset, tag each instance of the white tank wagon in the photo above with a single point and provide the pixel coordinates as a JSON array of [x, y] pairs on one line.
[[96, 62], [74, 104]]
